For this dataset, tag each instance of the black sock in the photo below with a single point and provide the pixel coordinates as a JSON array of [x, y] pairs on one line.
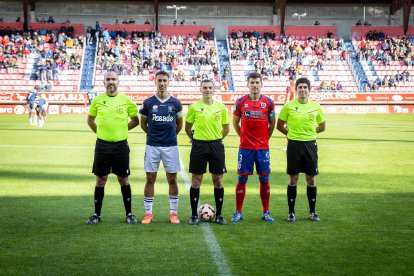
[[311, 192], [219, 197], [194, 196], [98, 197], [291, 196], [126, 195]]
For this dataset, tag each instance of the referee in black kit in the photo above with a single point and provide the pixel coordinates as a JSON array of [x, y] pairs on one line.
[[111, 111]]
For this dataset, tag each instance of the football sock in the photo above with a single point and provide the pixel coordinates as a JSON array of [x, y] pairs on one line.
[[240, 194], [98, 197], [311, 192], [148, 201], [291, 196], [219, 196], [173, 203], [194, 197], [265, 194], [126, 195]]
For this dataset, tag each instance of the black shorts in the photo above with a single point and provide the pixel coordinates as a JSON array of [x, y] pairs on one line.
[[111, 157], [302, 157], [207, 151]]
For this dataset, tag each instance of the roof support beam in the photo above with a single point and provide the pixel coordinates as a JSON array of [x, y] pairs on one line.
[[406, 14]]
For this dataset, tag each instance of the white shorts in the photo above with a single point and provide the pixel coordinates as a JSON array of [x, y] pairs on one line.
[[169, 156]]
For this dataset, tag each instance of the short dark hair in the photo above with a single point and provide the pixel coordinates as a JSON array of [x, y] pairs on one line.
[[162, 73], [303, 80], [254, 75], [207, 80]]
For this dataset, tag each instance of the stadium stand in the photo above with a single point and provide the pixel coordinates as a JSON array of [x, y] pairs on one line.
[[187, 52], [387, 58], [41, 56], [317, 55], [191, 53]]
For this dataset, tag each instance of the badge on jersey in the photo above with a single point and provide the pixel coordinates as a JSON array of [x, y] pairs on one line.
[[263, 105]]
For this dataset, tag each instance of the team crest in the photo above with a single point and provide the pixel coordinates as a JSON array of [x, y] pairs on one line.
[[246, 105], [263, 105], [170, 108], [155, 108]]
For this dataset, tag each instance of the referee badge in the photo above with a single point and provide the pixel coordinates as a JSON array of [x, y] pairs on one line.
[[311, 116], [119, 110], [218, 116]]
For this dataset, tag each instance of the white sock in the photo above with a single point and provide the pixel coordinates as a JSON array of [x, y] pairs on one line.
[[148, 204], [173, 204]]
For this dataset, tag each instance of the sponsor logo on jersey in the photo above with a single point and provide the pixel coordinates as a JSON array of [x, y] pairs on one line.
[[159, 118], [254, 114]]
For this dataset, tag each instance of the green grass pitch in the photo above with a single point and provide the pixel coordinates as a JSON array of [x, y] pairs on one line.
[[365, 201]]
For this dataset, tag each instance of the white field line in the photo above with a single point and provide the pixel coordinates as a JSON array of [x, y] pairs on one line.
[[209, 237]]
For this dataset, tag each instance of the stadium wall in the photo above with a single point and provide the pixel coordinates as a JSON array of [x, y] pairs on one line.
[[328, 109], [341, 102]]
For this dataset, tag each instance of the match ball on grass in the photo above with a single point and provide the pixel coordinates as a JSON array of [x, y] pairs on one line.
[[206, 213]]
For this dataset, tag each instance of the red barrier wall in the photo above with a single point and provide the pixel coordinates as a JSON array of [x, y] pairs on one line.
[[183, 29], [128, 27], [387, 30], [410, 30], [12, 25], [79, 29], [310, 30], [260, 29]]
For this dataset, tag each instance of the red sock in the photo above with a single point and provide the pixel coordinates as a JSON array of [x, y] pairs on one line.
[[240, 194], [265, 194]]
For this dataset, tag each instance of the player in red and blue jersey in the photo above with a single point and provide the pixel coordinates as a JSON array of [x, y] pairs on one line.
[[254, 121]]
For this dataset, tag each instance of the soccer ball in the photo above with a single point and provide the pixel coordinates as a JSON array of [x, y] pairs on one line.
[[206, 212]]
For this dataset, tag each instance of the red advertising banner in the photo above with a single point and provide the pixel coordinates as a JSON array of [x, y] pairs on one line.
[[329, 109], [227, 98]]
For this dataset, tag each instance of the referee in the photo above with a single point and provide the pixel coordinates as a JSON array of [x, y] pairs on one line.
[[111, 111], [306, 120], [207, 123]]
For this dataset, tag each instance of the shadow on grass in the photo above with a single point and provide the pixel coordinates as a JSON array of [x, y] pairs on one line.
[[353, 237], [46, 176]]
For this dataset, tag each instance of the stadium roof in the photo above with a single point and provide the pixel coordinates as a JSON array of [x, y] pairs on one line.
[[278, 6]]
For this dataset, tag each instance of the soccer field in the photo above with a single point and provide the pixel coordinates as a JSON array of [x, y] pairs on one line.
[[365, 201]]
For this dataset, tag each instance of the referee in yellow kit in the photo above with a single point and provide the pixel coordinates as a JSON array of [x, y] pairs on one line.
[[207, 123], [111, 111]]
